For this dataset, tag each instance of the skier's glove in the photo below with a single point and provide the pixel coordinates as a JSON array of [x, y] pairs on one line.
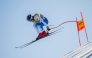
[[48, 28]]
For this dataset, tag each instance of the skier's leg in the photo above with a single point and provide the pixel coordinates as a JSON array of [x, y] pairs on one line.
[[39, 28], [42, 29], [36, 28]]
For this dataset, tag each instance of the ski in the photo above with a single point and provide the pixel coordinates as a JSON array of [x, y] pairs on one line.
[[49, 34]]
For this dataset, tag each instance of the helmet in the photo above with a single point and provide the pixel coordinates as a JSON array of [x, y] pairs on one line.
[[29, 17]]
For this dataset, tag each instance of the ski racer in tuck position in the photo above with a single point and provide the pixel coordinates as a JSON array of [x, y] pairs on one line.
[[39, 22]]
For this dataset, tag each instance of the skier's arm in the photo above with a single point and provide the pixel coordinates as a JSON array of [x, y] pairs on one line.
[[41, 16]]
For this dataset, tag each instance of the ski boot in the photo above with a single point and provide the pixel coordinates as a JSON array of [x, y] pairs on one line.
[[44, 33], [39, 36]]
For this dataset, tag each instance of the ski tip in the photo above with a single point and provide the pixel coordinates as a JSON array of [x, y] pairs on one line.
[[16, 47]]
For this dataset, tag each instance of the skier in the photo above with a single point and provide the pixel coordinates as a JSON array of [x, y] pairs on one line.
[[39, 21]]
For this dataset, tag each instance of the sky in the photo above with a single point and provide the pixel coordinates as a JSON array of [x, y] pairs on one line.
[[15, 30]]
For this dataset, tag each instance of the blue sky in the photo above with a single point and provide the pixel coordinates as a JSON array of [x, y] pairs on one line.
[[15, 30]]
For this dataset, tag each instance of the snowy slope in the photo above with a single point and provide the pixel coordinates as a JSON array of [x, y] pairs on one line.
[[84, 51]]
